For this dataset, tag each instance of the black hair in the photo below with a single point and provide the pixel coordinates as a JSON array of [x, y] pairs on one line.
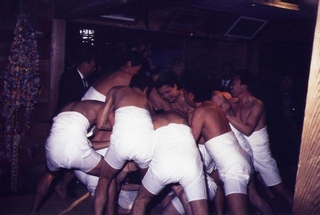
[[84, 57], [227, 64], [200, 86], [177, 62], [246, 78], [134, 57], [167, 78], [157, 71], [141, 81]]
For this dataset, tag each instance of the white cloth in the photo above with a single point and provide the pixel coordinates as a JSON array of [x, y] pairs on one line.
[[131, 138], [242, 141], [93, 94], [206, 159], [67, 145], [176, 158], [263, 161], [90, 181], [232, 162], [126, 198], [212, 191]]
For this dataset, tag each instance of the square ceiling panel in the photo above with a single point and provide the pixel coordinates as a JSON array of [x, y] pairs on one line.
[[245, 28]]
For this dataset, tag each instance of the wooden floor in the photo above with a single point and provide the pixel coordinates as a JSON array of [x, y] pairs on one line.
[[21, 203]]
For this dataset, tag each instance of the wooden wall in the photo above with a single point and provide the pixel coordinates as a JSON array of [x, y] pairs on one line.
[[307, 192], [32, 141]]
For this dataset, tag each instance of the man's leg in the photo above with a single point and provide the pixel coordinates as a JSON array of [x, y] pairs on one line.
[[284, 192], [257, 201], [61, 187], [199, 207], [42, 190], [107, 173], [141, 202], [237, 204], [170, 210], [178, 190], [219, 198]]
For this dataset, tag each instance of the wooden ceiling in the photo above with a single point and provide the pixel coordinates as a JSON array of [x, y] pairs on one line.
[[291, 21]]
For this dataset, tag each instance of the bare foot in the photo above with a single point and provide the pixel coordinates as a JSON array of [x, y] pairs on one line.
[[62, 193]]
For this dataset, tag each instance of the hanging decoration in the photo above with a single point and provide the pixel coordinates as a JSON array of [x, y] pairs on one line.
[[21, 86]]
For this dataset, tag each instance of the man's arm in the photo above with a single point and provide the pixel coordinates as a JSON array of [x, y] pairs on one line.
[[196, 124], [158, 102], [100, 144], [248, 126], [104, 114]]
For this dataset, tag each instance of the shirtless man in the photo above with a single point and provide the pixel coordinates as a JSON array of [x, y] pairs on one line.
[[175, 159], [231, 160], [167, 87], [158, 103], [131, 66], [132, 133], [249, 119], [68, 146], [220, 98]]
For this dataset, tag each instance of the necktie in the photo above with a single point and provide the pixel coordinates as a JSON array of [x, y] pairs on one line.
[[85, 84]]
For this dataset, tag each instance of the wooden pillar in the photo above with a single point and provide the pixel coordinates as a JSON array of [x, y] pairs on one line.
[[57, 60], [307, 190]]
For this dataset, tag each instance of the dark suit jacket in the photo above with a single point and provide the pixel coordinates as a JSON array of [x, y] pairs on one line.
[[71, 88], [217, 85]]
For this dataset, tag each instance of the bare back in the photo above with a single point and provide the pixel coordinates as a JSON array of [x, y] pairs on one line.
[[123, 96], [209, 120], [170, 116], [106, 82], [88, 108]]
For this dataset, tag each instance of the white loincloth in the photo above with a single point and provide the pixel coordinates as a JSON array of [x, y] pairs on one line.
[[131, 138], [93, 94], [212, 191], [263, 161], [242, 141], [67, 145], [90, 181], [232, 162], [206, 159], [176, 158]]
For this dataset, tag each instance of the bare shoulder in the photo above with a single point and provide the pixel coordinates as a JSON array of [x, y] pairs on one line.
[[257, 103]]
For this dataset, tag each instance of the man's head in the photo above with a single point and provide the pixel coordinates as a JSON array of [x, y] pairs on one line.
[[227, 70], [85, 63], [242, 82], [178, 67], [156, 73], [197, 89], [166, 86], [286, 82], [132, 62], [142, 82]]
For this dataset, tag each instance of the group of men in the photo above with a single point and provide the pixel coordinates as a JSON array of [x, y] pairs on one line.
[[202, 143]]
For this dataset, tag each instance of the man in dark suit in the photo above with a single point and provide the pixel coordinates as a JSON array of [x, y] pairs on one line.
[[73, 84], [227, 71]]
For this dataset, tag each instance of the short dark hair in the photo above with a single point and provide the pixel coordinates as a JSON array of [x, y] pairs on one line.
[[84, 57], [227, 64], [140, 81], [157, 71], [167, 78], [177, 62], [200, 86], [134, 57], [246, 78]]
